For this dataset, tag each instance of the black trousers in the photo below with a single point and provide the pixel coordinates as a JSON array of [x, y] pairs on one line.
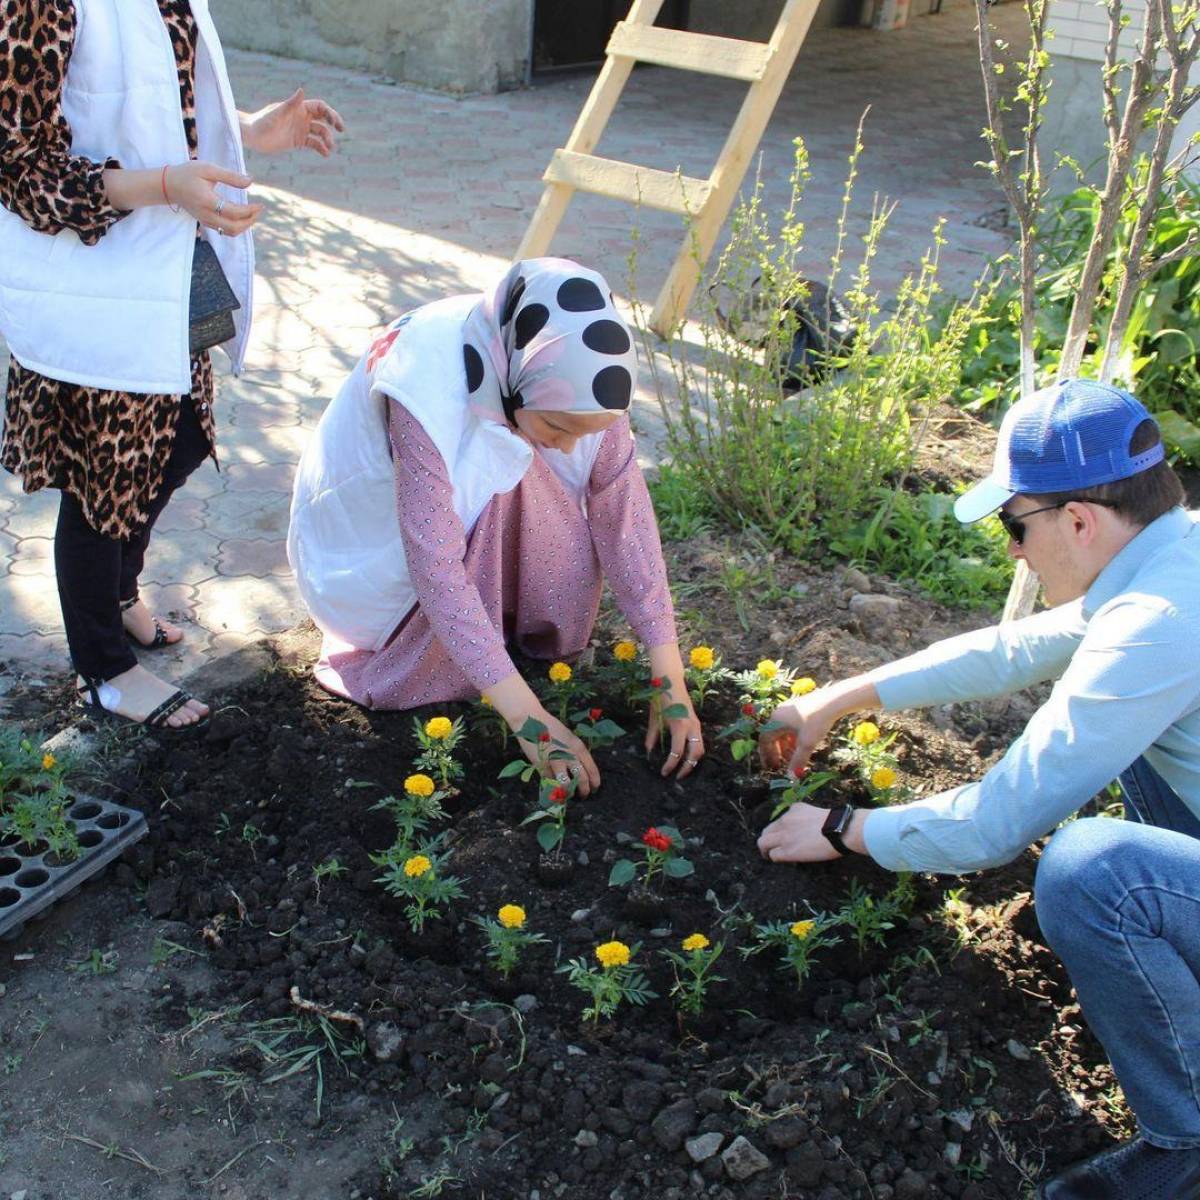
[[95, 572]]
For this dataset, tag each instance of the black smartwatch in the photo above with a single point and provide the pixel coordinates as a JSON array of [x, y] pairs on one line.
[[836, 824]]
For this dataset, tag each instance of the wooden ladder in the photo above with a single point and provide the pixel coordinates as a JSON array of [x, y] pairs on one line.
[[763, 65]]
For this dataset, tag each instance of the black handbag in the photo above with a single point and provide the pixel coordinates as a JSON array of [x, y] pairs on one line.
[[212, 303]]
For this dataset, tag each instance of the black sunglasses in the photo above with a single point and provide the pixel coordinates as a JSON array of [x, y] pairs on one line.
[[1015, 526]]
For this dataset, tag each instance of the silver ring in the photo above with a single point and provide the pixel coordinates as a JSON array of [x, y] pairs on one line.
[[672, 753], [695, 739], [220, 206]]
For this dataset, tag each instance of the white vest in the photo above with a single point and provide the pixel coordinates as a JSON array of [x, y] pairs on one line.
[[344, 540], [115, 315]]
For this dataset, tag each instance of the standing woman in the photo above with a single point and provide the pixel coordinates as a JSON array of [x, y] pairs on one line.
[[121, 172], [473, 483]]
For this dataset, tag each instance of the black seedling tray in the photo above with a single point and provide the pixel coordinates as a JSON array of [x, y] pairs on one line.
[[29, 884]]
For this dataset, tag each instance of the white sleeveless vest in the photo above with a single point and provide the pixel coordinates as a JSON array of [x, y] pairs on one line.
[[344, 542], [115, 315]]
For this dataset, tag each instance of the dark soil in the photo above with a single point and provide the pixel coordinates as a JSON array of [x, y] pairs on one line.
[[949, 1063]]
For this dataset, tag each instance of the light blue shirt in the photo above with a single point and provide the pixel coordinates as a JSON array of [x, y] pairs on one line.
[[1126, 658]]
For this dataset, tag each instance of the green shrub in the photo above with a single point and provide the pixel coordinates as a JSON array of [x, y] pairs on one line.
[[799, 467]]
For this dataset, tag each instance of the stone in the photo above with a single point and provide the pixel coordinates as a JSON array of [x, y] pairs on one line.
[[912, 1185], [704, 1147], [1018, 1050], [673, 1124], [786, 1132], [585, 1139], [743, 1159], [641, 1100], [852, 577], [162, 896], [964, 1118], [385, 1040], [526, 1004], [873, 611]]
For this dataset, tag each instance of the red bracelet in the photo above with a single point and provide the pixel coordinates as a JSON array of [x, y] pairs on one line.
[[163, 184]]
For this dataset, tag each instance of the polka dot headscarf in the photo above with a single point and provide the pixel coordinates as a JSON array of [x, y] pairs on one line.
[[548, 338]]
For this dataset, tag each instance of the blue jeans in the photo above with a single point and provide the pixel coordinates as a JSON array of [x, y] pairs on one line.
[[1119, 903]]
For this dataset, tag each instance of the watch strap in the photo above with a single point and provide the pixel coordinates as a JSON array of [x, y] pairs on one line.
[[836, 823]]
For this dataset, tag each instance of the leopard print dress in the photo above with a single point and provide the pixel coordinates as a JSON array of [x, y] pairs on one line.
[[107, 448]]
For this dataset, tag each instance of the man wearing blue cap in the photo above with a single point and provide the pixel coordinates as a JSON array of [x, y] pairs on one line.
[[1082, 488]]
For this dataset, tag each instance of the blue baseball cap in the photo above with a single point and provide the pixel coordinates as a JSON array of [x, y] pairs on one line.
[[1065, 438]]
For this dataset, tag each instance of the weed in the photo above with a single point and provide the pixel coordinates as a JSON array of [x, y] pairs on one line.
[[12, 1063], [329, 869], [434, 1185], [916, 536], [99, 962], [164, 950]]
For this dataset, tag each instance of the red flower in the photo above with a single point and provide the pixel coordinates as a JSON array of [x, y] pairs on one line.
[[558, 796], [799, 772], [656, 682], [747, 710], [544, 736], [656, 841], [595, 713]]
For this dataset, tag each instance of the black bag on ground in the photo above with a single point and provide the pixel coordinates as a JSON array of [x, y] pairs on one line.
[[212, 303], [823, 331]]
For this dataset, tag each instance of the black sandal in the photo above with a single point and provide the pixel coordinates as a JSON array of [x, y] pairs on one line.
[[155, 720], [159, 640]]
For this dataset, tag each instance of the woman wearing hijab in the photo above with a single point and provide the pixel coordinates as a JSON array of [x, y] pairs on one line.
[[473, 483]]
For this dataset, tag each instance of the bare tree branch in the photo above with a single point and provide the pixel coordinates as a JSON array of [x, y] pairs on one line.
[[1136, 266], [1140, 94], [1026, 191]]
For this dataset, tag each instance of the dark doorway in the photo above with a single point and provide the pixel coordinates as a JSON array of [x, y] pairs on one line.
[[573, 33]]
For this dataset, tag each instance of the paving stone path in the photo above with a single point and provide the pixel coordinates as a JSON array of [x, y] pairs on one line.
[[430, 195]]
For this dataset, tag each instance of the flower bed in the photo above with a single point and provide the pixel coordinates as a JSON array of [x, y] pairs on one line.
[[852, 1038]]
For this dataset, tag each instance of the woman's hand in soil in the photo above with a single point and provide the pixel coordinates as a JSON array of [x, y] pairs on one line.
[[797, 836], [580, 766], [685, 733]]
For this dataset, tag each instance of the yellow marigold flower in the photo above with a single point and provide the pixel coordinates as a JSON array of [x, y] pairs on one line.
[[512, 916], [767, 668], [612, 954], [883, 778], [625, 651], [559, 672], [801, 929], [417, 866], [438, 727], [801, 687], [419, 785], [48, 762], [864, 733], [486, 701], [696, 942], [702, 658]]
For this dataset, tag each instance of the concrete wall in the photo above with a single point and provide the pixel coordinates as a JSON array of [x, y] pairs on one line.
[[458, 45]]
